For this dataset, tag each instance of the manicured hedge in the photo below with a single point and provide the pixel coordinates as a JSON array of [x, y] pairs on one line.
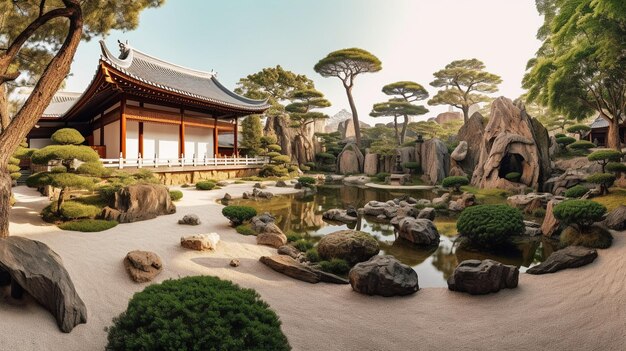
[[490, 226], [205, 185], [197, 313], [88, 225], [576, 191], [581, 145], [67, 136], [513, 176], [238, 214], [64, 152], [307, 181], [454, 182], [382, 176], [75, 210], [581, 212], [565, 140], [176, 195]]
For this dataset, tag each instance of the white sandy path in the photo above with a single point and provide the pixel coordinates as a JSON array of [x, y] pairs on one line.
[[581, 309]]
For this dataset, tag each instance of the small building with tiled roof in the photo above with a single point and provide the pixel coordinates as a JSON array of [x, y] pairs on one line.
[[140, 107], [600, 129]]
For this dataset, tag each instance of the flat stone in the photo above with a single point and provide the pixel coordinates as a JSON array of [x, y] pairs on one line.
[[294, 269], [200, 242], [569, 257], [338, 215], [384, 276], [142, 266], [289, 251], [483, 277], [190, 219], [37, 269], [427, 213]]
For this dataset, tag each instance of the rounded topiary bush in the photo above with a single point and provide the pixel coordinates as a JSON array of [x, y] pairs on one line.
[[273, 154], [274, 147], [382, 176], [176, 195], [513, 176], [64, 152], [88, 225], [576, 191], [197, 313], [559, 135], [454, 182], [580, 212], [565, 140], [616, 167], [273, 171], [205, 185], [238, 214], [581, 145], [414, 167], [307, 181], [67, 136], [604, 180], [74, 210], [490, 226], [282, 159]]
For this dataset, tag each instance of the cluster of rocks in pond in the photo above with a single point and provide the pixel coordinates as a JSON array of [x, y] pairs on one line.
[[200, 242], [392, 208], [268, 233], [142, 266], [31, 266], [418, 231], [384, 276], [349, 245], [189, 219], [483, 277], [339, 215], [569, 257], [139, 202], [257, 194]]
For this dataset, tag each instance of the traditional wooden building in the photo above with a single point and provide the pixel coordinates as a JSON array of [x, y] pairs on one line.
[[138, 107], [600, 128]]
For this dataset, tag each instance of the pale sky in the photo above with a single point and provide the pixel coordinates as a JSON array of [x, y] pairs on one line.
[[412, 38]]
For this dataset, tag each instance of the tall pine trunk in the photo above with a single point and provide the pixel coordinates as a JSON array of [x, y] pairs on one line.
[[403, 134], [465, 113], [613, 139], [355, 117]]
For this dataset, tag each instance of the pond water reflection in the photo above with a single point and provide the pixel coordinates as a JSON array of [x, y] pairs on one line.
[[303, 215]]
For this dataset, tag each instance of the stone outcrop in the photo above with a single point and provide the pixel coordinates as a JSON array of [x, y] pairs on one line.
[[427, 213], [142, 266], [417, 231], [350, 245], [370, 167], [268, 233], [435, 160], [294, 269], [274, 240], [532, 229], [35, 268], [550, 224], [511, 143], [472, 133], [390, 209], [559, 184], [483, 277], [450, 116], [338, 215], [346, 128], [139, 202], [350, 160], [569, 257], [384, 276], [200, 242], [616, 219], [190, 219], [456, 158], [356, 180]]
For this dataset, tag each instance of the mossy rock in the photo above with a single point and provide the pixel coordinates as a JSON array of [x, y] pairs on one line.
[[593, 237], [349, 245]]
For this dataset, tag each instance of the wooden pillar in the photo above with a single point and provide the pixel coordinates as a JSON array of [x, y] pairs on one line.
[[141, 139], [102, 129], [123, 127], [215, 137], [235, 141], [181, 133]]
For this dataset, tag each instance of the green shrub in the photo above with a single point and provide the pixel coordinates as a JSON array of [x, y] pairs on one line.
[[580, 212], [58, 169], [310, 164], [93, 168], [75, 210], [576, 191], [64, 152], [382, 176], [303, 245], [490, 226], [307, 181], [196, 313], [414, 167], [88, 225], [273, 171], [616, 167], [293, 236], [67, 136], [539, 212], [238, 214], [205, 185], [245, 229], [513, 176], [145, 175], [335, 266], [293, 168], [604, 156], [604, 180], [304, 168], [565, 140], [282, 159], [312, 255], [325, 157], [273, 154], [559, 135], [274, 147], [594, 237], [455, 182], [578, 128], [176, 195], [581, 145]]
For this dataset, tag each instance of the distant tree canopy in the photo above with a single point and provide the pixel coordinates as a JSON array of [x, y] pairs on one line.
[[432, 129], [579, 69], [302, 116], [404, 93], [464, 83], [346, 65]]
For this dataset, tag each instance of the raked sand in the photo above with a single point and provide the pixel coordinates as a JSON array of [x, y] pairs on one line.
[[577, 309]]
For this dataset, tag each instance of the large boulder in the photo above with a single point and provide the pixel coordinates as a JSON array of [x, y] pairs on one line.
[[350, 245], [272, 239], [189, 219], [142, 266], [560, 183], [200, 242], [435, 160], [370, 167], [483, 277], [460, 152], [290, 267], [419, 231], [511, 143], [616, 219], [350, 160], [139, 202], [268, 233], [472, 133], [384, 276], [569, 257], [34, 267]]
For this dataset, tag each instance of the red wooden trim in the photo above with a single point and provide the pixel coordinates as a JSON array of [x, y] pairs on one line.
[[141, 139], [123, 127], [181, 133], [215, 138], [235, 142]]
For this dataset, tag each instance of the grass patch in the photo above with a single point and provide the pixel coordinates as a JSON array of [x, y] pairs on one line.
[[446, 226], [335, 266], [176, 195], [245, 229], [488, 196], [615, 198], [88, 225]]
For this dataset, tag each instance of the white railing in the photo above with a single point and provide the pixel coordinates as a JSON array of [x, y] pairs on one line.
[[140, 162]]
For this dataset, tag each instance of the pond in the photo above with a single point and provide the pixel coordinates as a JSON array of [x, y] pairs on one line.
[[303, 215]]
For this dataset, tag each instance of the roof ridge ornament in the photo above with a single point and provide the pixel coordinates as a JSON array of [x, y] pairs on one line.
[[124, 49]]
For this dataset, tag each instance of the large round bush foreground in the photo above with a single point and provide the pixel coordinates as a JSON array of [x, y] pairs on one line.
[[580, 212], [238, 214], [197, 313], [490, 226]]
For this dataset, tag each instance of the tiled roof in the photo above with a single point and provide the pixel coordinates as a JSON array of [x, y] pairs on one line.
[[600, 122], [178, 79], [61, 102]]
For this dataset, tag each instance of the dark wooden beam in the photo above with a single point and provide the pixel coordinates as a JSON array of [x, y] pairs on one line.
[[102, 129]]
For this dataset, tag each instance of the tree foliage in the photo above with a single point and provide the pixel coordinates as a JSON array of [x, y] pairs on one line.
[[301, 114], [251, 130], [579, 69], [580, 212], [409, 92], [465, 83], [346, 65], [604, 156], [396, 108]]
